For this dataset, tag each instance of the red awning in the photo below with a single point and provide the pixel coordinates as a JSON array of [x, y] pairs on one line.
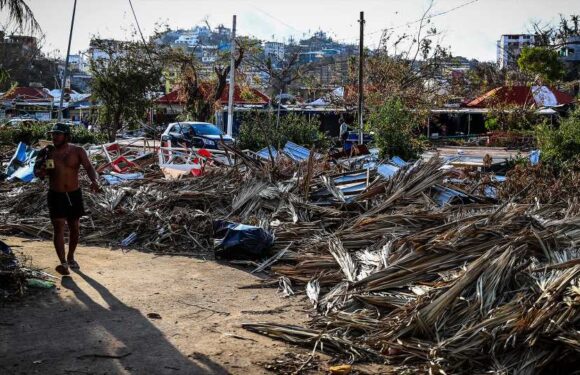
[[28, 94], [519, 96]]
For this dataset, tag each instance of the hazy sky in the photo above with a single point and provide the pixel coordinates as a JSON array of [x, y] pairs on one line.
[[470, 27]]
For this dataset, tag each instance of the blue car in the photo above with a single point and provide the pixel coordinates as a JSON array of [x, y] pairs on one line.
[[194, 134]]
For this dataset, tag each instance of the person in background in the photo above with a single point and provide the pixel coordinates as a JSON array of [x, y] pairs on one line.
[[343, 131]]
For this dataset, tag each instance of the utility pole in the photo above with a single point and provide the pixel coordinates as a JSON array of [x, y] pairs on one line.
[[232, 81], [65, 73], [361, 76], [278, 117]]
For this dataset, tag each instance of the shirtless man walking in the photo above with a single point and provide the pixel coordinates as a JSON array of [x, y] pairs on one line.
[[61, 163]]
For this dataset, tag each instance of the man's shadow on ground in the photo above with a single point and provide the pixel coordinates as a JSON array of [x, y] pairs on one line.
[[141, 348]]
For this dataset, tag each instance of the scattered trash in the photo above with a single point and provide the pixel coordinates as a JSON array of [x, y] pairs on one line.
[[21, 166], [535, 157], [15, 279], [129, 239], [176, 163], [38, 283], [435, 265], [239, 241], [119, 178], [340, 369]]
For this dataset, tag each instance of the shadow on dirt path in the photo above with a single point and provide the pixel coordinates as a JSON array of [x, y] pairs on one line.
[[114, 339], [137, 313]]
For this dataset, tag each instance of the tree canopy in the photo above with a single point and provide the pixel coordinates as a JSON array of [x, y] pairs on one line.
[[21, 13], [123, 82], [543, 62]]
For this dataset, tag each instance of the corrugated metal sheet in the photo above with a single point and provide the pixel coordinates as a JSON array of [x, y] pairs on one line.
[[350, 178], [445, 195], [387, 170], [264, 154], [296, 152], [353, 188], [292, 150]]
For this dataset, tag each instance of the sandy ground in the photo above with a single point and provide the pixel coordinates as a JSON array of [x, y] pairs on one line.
[[103, 311]]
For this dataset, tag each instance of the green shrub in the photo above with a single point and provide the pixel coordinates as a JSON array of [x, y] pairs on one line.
[[32, 133], [394, 128], [81, 135], [492, 123], [510, 118], [260, 129], [562, 144]]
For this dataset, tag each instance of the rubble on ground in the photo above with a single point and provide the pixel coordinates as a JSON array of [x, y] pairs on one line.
[[428, 265], [16, 279]]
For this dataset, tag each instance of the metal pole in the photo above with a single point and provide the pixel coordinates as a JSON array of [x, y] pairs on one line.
[[232, 80], [278, 118], [468, 123], [361, 76], [72, 24]]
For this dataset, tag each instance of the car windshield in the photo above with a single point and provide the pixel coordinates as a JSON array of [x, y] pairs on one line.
[[206, 129]]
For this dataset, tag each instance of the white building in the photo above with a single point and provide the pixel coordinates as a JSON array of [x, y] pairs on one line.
[[209, 54], [78, 63], [104, 49], [509, 48], [188, 39], [571, 51], [274, 50]]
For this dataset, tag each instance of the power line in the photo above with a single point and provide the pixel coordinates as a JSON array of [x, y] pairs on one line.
[[145, 45], [424, 18], [382, 30], [278, 20], [137, 23]]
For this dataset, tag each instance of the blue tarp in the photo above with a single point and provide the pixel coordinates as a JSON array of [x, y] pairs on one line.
[[353, 137], [21, 166], [535, 157], [398, 161]]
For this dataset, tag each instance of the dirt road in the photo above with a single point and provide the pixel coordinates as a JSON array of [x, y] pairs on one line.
[[96, 322]]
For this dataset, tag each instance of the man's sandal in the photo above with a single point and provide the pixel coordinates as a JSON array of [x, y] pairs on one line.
[[74, 265], [63, 269]]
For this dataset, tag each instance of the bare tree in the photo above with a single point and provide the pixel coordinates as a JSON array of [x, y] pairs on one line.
[[406, 66], [201, 95]]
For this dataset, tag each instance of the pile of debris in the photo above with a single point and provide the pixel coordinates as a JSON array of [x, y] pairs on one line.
[[156, 215], [541, 184], [16, 279], [455, 288], [426, 266]]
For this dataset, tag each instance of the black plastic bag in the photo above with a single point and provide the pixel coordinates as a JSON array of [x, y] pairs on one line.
[[8, 260], [239, 241]]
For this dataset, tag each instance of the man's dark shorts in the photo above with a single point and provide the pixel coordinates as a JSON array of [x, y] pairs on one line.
[[65, 205]]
